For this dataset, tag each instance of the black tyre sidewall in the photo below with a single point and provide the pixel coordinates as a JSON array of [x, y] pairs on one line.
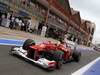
[[76, 55]]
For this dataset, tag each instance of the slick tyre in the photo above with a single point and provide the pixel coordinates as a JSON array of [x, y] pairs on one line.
[[76, 55]]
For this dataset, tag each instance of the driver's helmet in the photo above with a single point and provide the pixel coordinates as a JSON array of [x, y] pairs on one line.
[[33, 42]]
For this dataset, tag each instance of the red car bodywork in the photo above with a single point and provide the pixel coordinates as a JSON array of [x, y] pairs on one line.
[[52, 46]]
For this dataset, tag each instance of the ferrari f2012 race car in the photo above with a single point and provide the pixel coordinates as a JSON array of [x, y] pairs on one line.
[[46, 54]]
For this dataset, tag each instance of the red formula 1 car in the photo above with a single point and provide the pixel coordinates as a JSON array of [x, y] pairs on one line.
[[47, 55]]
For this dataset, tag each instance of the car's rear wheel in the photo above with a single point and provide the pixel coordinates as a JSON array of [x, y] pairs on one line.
[[28, 43], [76, 55]]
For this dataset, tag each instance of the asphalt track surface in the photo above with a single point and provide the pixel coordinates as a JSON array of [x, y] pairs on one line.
[[12, 65]]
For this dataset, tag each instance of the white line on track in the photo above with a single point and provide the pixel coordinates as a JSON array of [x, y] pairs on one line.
[[85, 68]]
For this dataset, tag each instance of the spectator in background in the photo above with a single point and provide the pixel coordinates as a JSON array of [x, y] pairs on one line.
[[66, 41], [20, 24], [12, 24], [3, 22], [8, 20], [27, 25], [16, 23], [0, 21], [30, 23], [8, 23], [40, 27], [43, 31]]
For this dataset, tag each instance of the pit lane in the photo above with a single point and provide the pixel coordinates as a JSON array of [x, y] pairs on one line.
[[11, 65]]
